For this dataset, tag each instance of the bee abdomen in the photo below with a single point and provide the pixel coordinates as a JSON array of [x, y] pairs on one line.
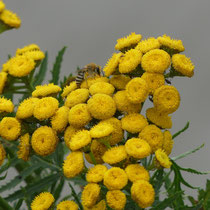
[[79, 78]]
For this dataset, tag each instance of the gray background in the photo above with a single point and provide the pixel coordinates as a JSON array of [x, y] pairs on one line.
[[90, 29]]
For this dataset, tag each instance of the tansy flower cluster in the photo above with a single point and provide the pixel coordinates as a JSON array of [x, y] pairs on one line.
[[101, 121]]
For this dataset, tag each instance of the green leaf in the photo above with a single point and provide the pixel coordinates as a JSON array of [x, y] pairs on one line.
[[193, 171], [4, 205], [57, 66], [59, 188], [182, 130], [58, 154], [33, 188], [10, 163], [3, 177], [39, 77], [19, 204], [14, 182]]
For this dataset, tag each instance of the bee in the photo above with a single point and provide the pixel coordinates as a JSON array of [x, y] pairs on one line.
[[90, 70]]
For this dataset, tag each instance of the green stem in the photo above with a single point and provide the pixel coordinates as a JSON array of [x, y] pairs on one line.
[[4, 204], [182, 130], [93, 158], [21, 92]]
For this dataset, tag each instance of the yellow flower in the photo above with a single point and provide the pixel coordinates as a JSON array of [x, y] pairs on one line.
[[10, 18], [143, 193], [68, 89], [21, 66], [112, 64], [6, 105], [156, 61], [166, 99], [26, 108], [171, 43], [77, 97], [98, 149], [167, 142], [115, 178], [90, 81], [136, 172], [44, 140], [60, 120], [116, 199], [3, 80], [90, 194], [183, 64], [101, 106], [65, 205], [120, 81], [6, 66], [99, 206], [42, 201], [148, 44], [138, 148], [2, 154], [160, 119], [24, 147], [69, 132], [137, 90], [2, 6], [153, 81], [101, 87], [115, 155], [153, 135], [117, 133], [46, 90], [96, 174], [124, 105], [134, 122], [79, 115], [101, 130], [73, 164], [45, 108], [129, 61], [128, 42], [10, 128], [163, 158], [80, 140]]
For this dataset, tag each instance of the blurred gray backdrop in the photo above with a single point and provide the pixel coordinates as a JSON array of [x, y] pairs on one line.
[[90, 28]]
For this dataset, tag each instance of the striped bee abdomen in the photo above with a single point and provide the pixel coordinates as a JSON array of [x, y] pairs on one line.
[[80, 78]]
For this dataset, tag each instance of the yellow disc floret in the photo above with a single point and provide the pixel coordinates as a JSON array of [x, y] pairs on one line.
[[2, 6], [156, 61], [10, 18], [68, 89], [2, 154], [69, 132], [116, 199], [65, 205], [44, 140], [6, 105], [101, 87], [120, 81], [3, 80], [163, 158], [24, 147], [183, 64], [101, 130], [167, 142], [10, 128]]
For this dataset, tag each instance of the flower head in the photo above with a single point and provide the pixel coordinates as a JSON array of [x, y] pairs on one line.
[[101, 130], [138, 148], [120, 81], [153, 135], [183, 64], [167, 142], [143, 193], [45, 108], [129, 41], [65, 205], [3, 79], [24, 147], [6, 105], [2, 6], [159, 118], [101, 106], [77, 97], [10, 128], [10, 18], [73, 164], [46, 90], [136, 172], [134, 122], [129, 61], [166, 99], [137, 90], [79, 115], [163, 158], [101, 87], [68, 89], [96, 174], [116, 199], [2, 154], [60, 120], [112, 64], [115, 178], [69, 132], [42, 201], [115, 155], [90, 194], [148, 44], [90, 81], [156, 61], [44, 140]]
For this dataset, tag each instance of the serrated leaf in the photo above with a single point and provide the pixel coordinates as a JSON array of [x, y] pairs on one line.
[[32, 188], [10, 163], [58, 155], [39, 77], [19, 204], [3, 177], [191, 170], [14, 182], [59, 188], [182, 130], [57, 65]]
